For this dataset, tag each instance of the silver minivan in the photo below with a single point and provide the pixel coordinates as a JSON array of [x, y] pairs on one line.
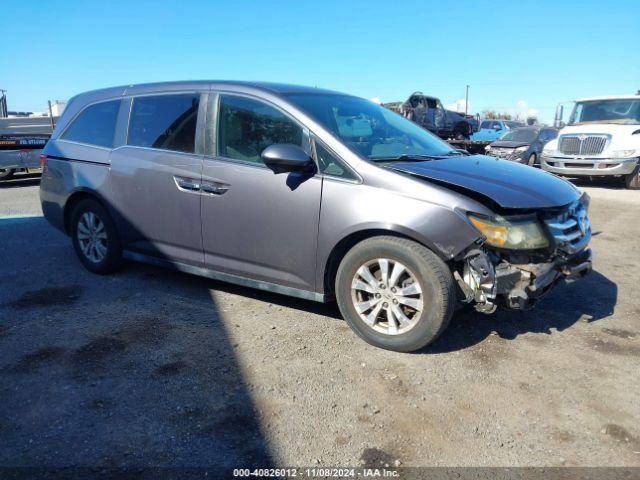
[[309, 193]]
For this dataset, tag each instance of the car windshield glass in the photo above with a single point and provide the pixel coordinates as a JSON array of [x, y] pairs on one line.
[[368, 129], [621, 111], [520, 135]]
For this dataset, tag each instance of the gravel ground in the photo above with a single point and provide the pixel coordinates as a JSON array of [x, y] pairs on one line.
[[154, 368]]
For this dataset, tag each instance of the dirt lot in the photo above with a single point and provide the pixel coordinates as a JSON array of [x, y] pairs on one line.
[[154, 368]]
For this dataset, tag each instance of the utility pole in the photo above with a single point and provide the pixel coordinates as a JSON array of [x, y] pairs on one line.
[[3, 103], [51, 116], [466, 102]]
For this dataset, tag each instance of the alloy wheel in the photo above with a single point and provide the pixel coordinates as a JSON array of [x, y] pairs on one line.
[[92, 237], [387, 296]]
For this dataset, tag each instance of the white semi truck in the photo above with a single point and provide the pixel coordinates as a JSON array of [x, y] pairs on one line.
[[601, 138]]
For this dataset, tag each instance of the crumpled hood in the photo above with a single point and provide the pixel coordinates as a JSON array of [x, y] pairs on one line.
[[509, 184]]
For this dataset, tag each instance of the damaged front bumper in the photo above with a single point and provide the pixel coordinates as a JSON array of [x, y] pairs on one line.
[[517, 279], [517, 286]]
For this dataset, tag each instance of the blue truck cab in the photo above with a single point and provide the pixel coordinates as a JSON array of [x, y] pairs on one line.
[[491, 130]]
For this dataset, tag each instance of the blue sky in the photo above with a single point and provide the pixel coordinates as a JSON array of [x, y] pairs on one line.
[[536, 53]]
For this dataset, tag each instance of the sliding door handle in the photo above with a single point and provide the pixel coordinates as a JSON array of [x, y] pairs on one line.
[[188, 184], [215, 188]]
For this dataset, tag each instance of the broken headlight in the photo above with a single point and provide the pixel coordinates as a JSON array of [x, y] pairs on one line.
[[513, 234]]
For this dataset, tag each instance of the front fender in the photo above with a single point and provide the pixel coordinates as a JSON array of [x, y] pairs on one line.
[[443, 229]]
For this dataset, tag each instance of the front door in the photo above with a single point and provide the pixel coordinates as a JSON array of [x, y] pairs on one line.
[[257, 224], [155, 179]]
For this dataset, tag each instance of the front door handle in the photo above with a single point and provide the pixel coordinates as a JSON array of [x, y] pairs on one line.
[[215, 188], [188, 184]]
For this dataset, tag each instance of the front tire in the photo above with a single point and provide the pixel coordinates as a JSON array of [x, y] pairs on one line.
[[95, 238], [6, 173], [532, 160], [460, 136], [632, 181], [395, 293]]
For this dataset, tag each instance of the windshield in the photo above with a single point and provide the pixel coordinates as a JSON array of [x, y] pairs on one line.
[[520, 135], [621, 111], [368, 129]]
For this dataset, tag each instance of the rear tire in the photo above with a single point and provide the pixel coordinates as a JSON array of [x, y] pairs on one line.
[[632, 181], [425, 283], [95, 238], [6, 173]]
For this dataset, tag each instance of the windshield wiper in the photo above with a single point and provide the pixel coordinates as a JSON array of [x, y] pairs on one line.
[[457, 152], [407, 158]]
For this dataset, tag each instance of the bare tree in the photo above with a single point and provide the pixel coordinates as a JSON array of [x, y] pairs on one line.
[[493, 115]]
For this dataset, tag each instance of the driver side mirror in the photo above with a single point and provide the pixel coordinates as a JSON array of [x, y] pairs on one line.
[[286, 157]]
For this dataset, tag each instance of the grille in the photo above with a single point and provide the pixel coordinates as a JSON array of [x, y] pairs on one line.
[[579, 165], [582, 144], [571, 230]]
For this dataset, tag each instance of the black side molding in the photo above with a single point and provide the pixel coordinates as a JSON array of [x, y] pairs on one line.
[[67, 159]]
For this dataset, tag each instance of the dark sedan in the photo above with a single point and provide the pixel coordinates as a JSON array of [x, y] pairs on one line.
[[522, 145]]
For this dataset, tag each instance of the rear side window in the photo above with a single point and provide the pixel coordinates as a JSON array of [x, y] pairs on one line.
[[246, 127], [96, 125], [167, 122]]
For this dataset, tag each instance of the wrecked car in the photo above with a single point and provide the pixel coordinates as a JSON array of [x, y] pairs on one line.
[[522, 145], [429, 113], [309, 193]]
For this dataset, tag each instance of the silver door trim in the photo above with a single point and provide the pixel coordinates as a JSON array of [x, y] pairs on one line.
[[226, 277]]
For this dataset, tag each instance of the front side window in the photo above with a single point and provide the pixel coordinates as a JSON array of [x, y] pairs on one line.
[[246, 127], [370, 130], [329, 164], [167, 122], [96, 125]]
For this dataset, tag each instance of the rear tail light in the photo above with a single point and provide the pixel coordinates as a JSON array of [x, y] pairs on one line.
[[43, 160]]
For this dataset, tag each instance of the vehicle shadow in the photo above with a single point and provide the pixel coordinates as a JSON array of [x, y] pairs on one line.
[[589, 299], [21, 180], [116, 372]]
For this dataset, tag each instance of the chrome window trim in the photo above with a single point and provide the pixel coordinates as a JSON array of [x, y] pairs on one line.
[[82, 144], [160, 150], [236, 161]]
